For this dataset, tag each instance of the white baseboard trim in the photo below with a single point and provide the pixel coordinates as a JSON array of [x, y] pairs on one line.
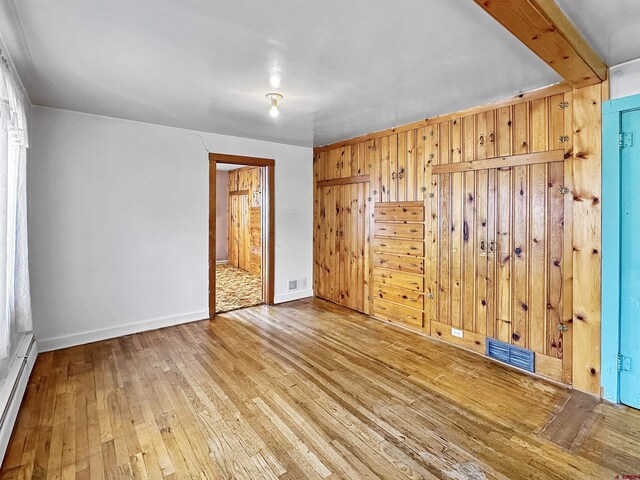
[[296, 295], [13, 388], [222, 262], [91, 336]]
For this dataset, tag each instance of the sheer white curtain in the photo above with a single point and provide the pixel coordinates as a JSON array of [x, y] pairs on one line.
[[15, 300]]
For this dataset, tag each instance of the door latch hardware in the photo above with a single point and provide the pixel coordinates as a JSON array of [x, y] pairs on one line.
[[564, 190], [624, 363], [562, 327], [430, 295], [564, 139], [563, 105], [626, 140]]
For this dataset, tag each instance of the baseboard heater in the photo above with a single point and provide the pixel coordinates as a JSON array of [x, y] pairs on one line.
[[510, 354], [14, 388]]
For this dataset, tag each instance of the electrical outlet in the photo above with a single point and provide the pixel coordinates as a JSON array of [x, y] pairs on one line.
[[456, 332]]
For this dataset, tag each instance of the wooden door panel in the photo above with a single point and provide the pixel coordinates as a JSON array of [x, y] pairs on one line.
[[504, 278], [341, 250]]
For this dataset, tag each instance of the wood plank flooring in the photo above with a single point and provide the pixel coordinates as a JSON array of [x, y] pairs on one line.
[[303, 390]]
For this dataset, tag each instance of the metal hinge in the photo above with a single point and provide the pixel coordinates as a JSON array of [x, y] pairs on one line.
[[624, 363], [564, 139], [625, 140], [563, 105], [562, 327]]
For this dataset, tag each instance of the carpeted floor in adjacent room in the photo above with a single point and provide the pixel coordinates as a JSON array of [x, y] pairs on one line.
[[236, 288]]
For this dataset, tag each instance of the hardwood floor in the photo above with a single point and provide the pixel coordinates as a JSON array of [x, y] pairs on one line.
[[305, 390]]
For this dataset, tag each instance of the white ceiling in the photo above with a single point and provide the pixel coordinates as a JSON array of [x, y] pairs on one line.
[[348, 67], [612, 27]]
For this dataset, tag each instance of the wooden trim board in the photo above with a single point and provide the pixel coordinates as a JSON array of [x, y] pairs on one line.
[[343, 181], [550, 156]]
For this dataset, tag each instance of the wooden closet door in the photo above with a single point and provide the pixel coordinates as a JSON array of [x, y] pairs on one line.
[[500, 256], [353, 228], [327, 266]]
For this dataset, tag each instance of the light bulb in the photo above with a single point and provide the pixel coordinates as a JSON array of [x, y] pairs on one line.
[[274, 98], [275, 81]]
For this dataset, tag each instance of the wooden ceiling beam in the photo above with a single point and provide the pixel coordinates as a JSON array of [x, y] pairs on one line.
[[546, 30]]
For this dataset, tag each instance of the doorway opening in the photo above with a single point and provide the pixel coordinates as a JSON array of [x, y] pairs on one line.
[[241, 232]]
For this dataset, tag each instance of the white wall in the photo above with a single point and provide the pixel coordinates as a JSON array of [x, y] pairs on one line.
[[625, 79], [118, 219]]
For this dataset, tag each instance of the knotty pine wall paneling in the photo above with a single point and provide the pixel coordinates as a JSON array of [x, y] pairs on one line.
[[511, 228]]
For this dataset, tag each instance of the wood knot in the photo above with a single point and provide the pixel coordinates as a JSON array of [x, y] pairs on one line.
[[592, 370], [579, 317], [594, 251], [595, 201], [525, 307], [556, 263], [515, 337], [484, 303], [518, 251]]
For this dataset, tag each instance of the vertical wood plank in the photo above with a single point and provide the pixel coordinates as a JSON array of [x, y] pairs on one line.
[[401, 168], [444, 227], [375, 170], [587, 237], [504, 211], [519, 219], [385, 169], [537, 297], [457, 208], [468, 228], [413, 167], [555, 235], [567, 251], [482, 237], [429, 158]]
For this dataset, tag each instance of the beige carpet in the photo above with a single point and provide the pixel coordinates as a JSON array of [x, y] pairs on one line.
[[236, 288]]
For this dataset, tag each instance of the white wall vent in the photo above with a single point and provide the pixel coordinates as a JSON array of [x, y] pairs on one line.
[[297, 284]]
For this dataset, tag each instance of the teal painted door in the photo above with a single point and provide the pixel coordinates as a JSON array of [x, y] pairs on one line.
[[630, 260]]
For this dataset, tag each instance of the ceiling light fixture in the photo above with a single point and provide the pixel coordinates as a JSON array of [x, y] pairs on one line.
[[274, 98], [275, 80]]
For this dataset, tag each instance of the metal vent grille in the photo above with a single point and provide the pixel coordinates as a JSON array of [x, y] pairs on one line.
[[516, 356]]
